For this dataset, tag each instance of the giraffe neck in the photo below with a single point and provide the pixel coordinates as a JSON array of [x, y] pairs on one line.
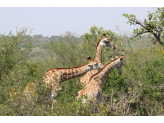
[[69, 71], [74, 72], [98, 57], [71, 76], [106, 70]]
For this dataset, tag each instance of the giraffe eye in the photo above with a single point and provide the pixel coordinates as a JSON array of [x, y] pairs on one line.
[[105, 41], [89, 65]]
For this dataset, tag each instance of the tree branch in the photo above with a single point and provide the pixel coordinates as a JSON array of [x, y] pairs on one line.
[[140, 23], [155, 35], [158, 38], [140, 33]]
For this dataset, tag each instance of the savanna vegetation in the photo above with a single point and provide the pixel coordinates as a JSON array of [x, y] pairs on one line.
[[139, 91]]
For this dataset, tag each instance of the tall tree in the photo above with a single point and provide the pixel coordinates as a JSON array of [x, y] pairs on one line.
[[154, 25], [13, 49]]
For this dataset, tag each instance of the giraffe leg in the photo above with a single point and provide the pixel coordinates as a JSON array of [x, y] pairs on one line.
[[53, 102], [55, 91]]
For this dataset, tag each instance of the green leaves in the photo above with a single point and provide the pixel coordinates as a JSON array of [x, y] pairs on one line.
[[13, 49], [68, 51], [154, 24], [150, 16], [131, 18]]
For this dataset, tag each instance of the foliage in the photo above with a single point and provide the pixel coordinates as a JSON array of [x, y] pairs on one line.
[[154, 25], [68, 51], [137, 92], [38, 36], [11, 52]]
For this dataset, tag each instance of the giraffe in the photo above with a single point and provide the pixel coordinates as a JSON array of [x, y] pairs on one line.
[[93, 88], [57, 75], [104, 42]]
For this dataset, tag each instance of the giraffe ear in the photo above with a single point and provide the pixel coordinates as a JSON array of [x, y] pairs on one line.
[[90, 66], [121, 59], [111, 59]]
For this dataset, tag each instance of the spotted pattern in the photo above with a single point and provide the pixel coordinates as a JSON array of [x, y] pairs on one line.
[[93, 88], [104, 42]]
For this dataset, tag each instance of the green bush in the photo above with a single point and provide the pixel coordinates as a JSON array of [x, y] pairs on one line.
[[137, 92]]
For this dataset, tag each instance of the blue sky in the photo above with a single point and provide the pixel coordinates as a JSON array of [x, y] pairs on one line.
[[57, 20]]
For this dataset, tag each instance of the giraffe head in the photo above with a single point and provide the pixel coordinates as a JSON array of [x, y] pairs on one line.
[[92, 65], [119, 64], [105, 42]]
